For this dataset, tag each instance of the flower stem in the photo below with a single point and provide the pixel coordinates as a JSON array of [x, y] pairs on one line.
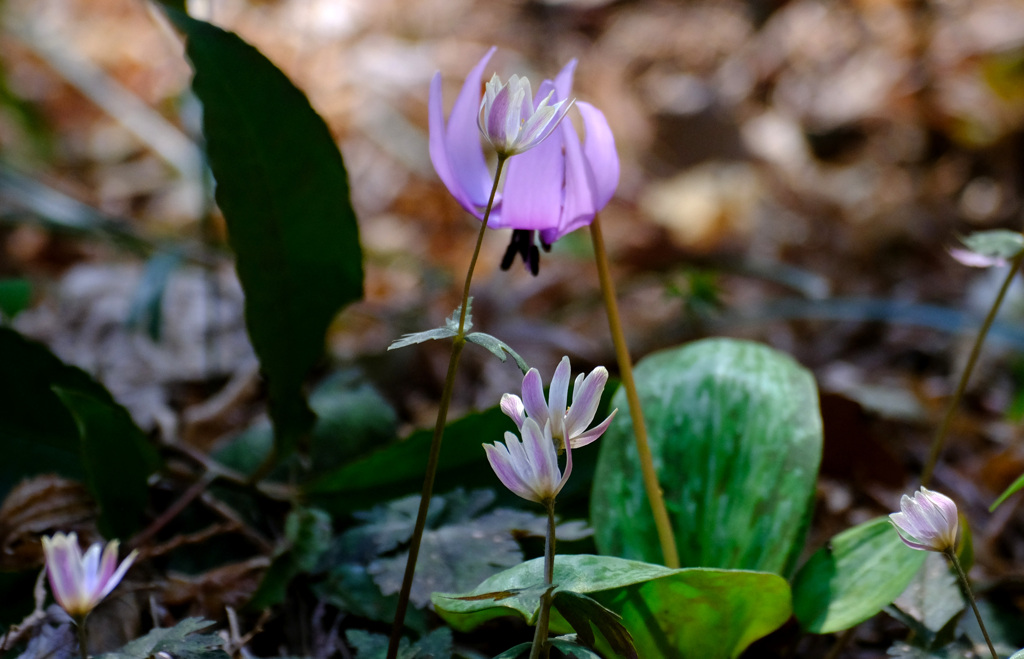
[[540, 635], [643, 447], [951, 555], [458, 344], [940, 435], [83, 638]]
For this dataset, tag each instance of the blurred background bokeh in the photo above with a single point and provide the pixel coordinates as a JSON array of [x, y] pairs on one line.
[[792, 172]]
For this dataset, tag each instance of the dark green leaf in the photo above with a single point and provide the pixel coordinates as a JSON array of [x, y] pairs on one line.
[[581, 612], [179, 641], [117, 457], [308, 536], [860, 571], [37, 432], [397, 470], [498, 348], [283, 189], [435, 645], [15, 295], [736, 433], [671, 614], [353, 419]]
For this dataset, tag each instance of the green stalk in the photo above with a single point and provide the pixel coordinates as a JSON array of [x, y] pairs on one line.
[[458, 343], [83, 637], [940, 436], [951, 555], [540, 635], [643, 447]]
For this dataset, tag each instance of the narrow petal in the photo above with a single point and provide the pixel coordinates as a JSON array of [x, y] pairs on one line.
[[585, 400], [590, 435], [578, 203], [119, 574], [563, 81], [533, 397], [498, 457], [599, 149], [542, 456], [532, 196], [568, 469], [908, 541], [496, 128], [558, 397], [513, 408], [455, 148]]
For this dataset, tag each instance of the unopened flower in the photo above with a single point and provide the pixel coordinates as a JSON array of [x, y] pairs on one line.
[[529, 468], [79, 582], [554, 188], [927, 521], [510, 121], [568, 423]]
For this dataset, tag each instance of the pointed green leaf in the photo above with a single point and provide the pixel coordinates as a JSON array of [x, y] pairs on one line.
[[283, 189], [671, 614], [736, 437], [860, 571], [498, 348], [997, 243], [179, 641], [118, 460], [1010, 491]]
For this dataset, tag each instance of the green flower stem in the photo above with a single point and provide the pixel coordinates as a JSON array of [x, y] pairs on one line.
[[83, 638], [458, 343], [540, 635], [951, 555], [940, 436], [643, 447]]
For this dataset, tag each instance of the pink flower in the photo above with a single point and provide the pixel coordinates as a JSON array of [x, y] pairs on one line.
[[509, 120], [928, 521], [568, 422], [555, 187], [529, 468], [80, 583]]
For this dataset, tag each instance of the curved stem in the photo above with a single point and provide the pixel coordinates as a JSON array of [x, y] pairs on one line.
[[940, 435], [643, 447], [458, 344], [951, 555], [540, 635]]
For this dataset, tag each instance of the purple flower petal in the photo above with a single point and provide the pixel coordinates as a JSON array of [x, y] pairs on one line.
[[533, 397]]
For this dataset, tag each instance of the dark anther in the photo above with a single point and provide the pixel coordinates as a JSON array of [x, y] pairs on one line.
[[522, 245]]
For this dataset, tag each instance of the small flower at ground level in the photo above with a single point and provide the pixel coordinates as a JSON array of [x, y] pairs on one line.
[[567, 423], [79, 582], [927, 521], [554, 188], [530, 468], [509, 120]]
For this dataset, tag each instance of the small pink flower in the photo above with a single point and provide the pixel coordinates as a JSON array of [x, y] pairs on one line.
[[529, 468], [79, 582], [568, 422], [928, 521]]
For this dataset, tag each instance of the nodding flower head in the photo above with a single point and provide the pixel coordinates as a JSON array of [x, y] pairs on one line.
[[927, 521], [555, 187]]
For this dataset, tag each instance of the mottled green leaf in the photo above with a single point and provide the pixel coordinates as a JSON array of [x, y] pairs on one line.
[[736, 436], [860, 571], [283, 189], [179, 641], [671, 614]]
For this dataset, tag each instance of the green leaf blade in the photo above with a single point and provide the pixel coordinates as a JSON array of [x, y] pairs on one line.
[[736, 435], [283, 189], [862, 570]]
